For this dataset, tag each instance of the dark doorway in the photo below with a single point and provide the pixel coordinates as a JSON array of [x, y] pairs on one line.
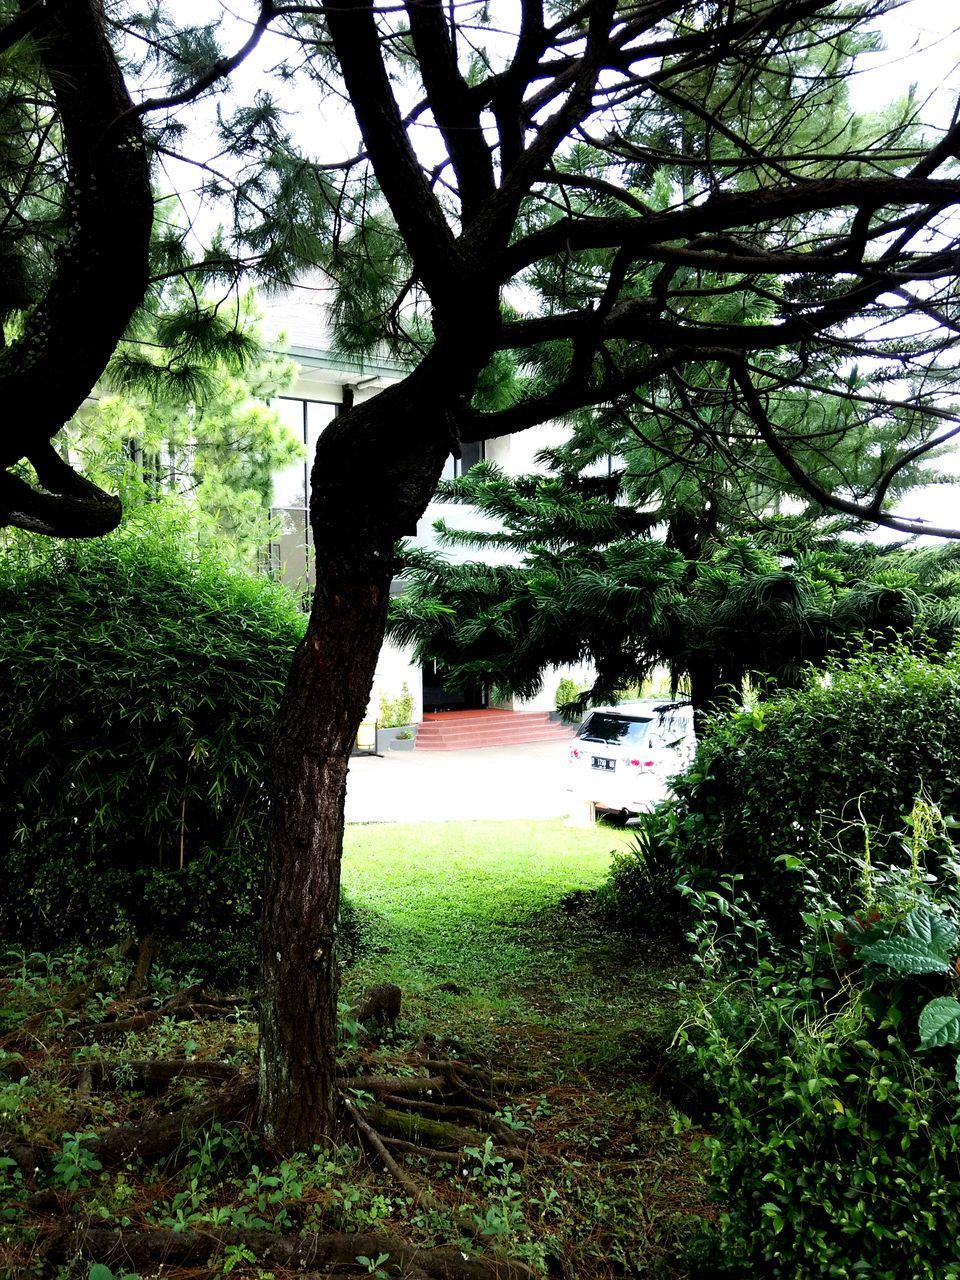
[[439, 696]]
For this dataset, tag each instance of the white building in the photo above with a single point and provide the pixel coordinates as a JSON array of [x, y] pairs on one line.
[[297, 322]]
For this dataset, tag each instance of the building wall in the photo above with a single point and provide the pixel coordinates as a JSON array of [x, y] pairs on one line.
[[298, 324]]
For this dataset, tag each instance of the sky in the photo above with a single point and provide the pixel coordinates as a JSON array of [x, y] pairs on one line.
[[922, 41], [922, 47]]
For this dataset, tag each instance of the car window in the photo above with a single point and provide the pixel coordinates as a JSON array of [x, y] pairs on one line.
[[673, 727], [614, 729]]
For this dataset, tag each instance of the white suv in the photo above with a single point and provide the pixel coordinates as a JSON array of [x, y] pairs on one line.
[[623, 757]]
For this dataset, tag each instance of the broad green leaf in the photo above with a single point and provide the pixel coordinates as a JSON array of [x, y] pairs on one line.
[[939, 1022], [907, 955], [932, 927]]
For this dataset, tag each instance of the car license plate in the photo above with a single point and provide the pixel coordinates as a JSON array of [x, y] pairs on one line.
[[601, 762]]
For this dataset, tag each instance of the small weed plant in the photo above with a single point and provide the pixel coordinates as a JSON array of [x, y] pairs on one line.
[[100, 1271], [76, 1164]]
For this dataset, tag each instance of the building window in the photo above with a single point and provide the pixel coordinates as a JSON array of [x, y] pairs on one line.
[[291, 556], [472, 452]]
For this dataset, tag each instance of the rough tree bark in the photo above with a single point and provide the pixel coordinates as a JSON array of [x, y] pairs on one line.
[[100, 277], [375, 469]]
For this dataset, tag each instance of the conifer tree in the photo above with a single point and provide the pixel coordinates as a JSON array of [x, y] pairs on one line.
[[192, 422], [696, 582]]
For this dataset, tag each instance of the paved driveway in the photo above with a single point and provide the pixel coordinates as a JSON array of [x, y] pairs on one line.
[[441, 786]]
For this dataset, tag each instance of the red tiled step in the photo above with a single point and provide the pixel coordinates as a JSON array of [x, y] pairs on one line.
[[477, 713], [464, 730], [428, 734], [490, 740], [481, 722]]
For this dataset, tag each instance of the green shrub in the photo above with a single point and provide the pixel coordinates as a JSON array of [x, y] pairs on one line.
[[835, 1147], [139, 682], [798, 775], [567, 691], [396, 712], [641, 889]]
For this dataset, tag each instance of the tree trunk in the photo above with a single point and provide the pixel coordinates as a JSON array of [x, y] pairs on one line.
[[324, 703], [705, 686], [375, 469]]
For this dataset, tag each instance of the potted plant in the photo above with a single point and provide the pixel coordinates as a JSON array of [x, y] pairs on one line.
[[395, 727]]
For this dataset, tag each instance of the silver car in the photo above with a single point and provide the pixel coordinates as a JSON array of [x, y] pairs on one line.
[[624, 756]]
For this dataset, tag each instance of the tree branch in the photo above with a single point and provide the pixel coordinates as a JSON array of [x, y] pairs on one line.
[[871, 513], [454, 108], [722, 212], [99, 278], [218, 71], [563, 399], [353, 29]]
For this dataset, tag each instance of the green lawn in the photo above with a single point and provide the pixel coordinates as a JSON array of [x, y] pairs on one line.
[[582, 1013], [456, 901]]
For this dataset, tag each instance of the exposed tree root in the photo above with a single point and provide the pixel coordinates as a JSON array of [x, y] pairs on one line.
[[443, 1111], [426, 1128], [81, 1109], [432, 1117], [49, 1200], [422, 1131], [142, 1249], [486, 1081], [29, 1028], [373, 1140], [481, 1103], [430, 1154], [151, 1075], [159, 1137], [414, 1127], [29, 1156], [413, 1085], [193, 1002]]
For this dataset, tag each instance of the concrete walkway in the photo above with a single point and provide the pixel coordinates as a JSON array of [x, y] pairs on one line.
[[524, 781]]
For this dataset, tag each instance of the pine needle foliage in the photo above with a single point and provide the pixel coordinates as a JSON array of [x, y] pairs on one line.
[[595, 579]]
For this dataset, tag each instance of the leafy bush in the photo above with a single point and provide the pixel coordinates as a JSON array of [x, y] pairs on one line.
[[139, 682], [641, 890], [835, 1147], [395, 712], [801, 774], [568, 691]]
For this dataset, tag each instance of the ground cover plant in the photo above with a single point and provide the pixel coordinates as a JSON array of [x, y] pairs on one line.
[[836, 1143], [540, 1038]]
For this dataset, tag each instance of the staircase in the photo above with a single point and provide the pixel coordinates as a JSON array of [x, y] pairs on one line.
[[466, 730]]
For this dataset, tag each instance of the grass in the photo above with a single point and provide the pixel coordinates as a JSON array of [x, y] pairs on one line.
[[456, 901], [585, 1013]]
